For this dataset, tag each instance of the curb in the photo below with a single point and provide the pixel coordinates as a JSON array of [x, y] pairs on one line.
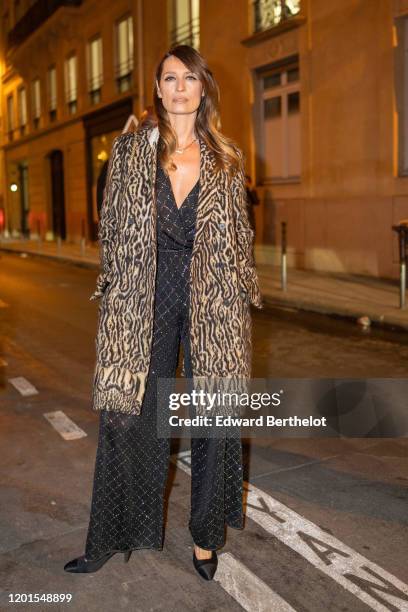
[[383, 322], [270, 301], [61, 258]]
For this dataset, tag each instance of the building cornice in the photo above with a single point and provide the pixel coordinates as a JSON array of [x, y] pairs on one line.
[[44, 42]]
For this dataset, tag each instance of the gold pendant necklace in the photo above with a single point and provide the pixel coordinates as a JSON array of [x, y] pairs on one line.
[[182, 150]]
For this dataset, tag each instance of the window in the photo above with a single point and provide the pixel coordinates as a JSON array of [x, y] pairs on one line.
[[124, 54], [95, 69], [186, 23], [52, 92], [36, 99], [402, 95], [269, 13], [22, 109], [10, 116], [280, 121], [71, 79]]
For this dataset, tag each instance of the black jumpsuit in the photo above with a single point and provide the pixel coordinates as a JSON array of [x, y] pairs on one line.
[[131, 461]]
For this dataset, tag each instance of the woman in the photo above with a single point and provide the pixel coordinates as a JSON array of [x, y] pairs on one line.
[[177, 267]]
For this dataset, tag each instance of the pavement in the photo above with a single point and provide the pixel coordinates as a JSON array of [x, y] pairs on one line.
[[372, 301]]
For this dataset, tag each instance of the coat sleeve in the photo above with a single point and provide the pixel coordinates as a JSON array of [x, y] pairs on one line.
[[245, 238], [107, 223]]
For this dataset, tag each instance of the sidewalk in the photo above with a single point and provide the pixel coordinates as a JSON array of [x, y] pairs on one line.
[[333, 294]]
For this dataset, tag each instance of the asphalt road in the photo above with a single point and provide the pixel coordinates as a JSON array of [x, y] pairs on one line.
[[326, 518]]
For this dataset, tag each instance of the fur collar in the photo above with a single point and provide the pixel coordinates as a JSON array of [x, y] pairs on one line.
[[153, 136]]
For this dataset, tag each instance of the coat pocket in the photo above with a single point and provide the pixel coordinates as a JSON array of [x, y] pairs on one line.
[[249, 287], [102, 283]]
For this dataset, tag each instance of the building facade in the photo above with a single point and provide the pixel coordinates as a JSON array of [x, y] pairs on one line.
[[315, 93], [69, 84]]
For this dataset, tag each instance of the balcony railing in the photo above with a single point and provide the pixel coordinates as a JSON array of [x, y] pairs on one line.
[[187, 34], [269, 13], [95, 82], [36, 15], [124, 74]]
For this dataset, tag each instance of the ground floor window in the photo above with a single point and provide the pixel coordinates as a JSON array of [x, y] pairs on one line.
[[279, 146]]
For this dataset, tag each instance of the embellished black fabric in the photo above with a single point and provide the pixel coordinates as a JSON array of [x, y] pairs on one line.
[[131, 462]]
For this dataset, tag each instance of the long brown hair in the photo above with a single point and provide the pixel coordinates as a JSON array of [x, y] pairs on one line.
[[227, 154]]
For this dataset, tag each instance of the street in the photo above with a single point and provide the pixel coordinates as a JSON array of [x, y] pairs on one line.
[[326, 519]]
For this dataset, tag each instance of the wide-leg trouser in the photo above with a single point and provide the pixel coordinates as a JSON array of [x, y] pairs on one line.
[[131, 463]]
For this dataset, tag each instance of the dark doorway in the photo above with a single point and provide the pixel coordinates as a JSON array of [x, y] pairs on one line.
[[24, 200], [100, 129], [57, 193]]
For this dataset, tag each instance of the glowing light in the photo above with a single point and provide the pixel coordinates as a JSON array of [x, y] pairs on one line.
[[13, 187], [102, 156]]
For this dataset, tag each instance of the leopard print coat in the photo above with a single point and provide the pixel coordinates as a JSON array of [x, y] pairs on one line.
[[223, 278]]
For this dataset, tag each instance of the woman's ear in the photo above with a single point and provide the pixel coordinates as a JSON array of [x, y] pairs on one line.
[[157, 89]]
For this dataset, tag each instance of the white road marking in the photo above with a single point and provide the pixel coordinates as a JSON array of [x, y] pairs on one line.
[[366, 580], [63, 424], [3, 304], [246, 588], [183, 461], [243, 585], [3, 363], [23, 386]]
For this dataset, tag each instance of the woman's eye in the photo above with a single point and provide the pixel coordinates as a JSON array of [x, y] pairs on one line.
[[167, 78]]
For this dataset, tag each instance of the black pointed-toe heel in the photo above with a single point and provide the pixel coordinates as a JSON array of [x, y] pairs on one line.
[[206, 567], [82, 565]]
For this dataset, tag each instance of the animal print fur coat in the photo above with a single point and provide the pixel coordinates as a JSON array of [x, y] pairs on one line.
[[223, 278]]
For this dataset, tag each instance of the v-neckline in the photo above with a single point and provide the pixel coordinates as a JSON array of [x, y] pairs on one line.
[[171, 187], [187, 196]]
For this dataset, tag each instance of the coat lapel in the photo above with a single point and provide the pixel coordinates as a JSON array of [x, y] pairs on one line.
[[207, 188], [207, 192]]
